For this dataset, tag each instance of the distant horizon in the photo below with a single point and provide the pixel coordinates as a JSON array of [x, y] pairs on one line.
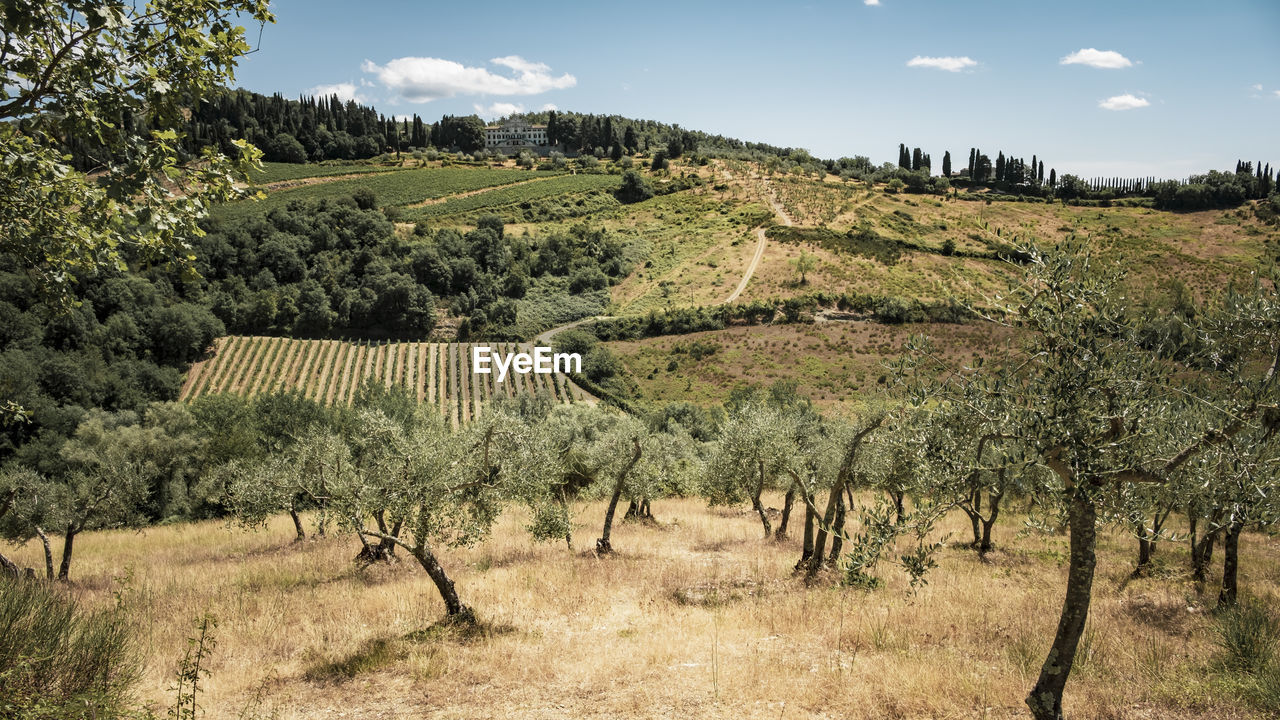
[[1094, 89]]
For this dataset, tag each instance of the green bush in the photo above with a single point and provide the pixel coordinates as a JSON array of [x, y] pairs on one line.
[[59, 661]]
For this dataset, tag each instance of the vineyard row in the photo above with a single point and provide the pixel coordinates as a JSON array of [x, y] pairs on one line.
[[331, 371]]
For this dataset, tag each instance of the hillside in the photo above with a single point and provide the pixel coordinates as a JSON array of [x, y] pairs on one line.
[[692, 245]]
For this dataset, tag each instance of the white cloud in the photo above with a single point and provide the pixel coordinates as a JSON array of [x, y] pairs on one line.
[[950, 64], [423, 79], [872, 3], [1123, 102], [1277, 92], [548, 106], [344, 91], [498, 109], [1105, 59], [1257, 87]]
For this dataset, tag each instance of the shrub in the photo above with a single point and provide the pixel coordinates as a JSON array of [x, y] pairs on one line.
[[1247, 635], [634, 188], [57, 660]]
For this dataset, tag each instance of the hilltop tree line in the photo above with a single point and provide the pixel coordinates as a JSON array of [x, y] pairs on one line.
[[1010, 174], [314, 129]]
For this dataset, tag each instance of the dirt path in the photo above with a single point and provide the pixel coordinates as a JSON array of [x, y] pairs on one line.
[[544, 338], [760, 243]]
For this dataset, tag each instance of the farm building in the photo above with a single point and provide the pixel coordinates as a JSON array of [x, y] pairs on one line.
[[515, 134]]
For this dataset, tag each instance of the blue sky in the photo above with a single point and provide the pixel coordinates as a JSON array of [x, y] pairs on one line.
[[1198, 83]]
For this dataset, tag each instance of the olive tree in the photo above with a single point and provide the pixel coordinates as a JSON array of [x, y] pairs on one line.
[[23, 512], [613, 457], [1096, 408], [845, 449], [415, 483], [113, 463], [751, 456]]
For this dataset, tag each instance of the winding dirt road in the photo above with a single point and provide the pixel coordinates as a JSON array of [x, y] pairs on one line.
[[544, 338], [760, 243]]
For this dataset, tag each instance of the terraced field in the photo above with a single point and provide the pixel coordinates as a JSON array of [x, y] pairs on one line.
[[330, 371], [274, 172], [529, 192], [396, 187]]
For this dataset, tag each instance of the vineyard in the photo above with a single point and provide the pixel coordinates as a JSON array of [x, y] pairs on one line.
[[274, 172], [558, 187], [331, 371], [398, 187]]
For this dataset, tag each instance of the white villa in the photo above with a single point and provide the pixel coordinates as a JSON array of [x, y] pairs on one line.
[[515, 135]]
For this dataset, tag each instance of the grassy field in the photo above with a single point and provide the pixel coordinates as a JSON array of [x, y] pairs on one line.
[[832, 363], [1206, 249], [695, 616], [689, 249], [331, 371]]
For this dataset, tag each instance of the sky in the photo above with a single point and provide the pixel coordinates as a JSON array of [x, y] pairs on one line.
[[1123, 87]]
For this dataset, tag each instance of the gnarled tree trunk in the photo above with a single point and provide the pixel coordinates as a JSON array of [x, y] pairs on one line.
[[48, 553], [759, 506], [837, 533], [820, 542], [806, 550], [299, 533], [452, 604], [1045, 699]]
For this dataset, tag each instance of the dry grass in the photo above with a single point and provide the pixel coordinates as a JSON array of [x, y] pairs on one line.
[[695, 617], [834, 364]]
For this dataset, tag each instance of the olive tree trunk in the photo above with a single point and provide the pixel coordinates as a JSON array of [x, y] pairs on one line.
[[68, 544], [48, 553], [787, 504], [820, 542], [299, 533], [1230, 564], [603, 546], [453, 606], [1045, 700], [837, 533], [759, 506]]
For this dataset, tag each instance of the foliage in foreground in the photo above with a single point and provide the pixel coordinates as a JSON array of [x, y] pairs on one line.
[[58, 660]]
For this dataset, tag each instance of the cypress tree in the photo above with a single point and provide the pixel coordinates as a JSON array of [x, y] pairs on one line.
[[1053, 177], [1040, 174], [973, 154], [1000, 167], [915, 159], [904, 160], [946, 164]]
